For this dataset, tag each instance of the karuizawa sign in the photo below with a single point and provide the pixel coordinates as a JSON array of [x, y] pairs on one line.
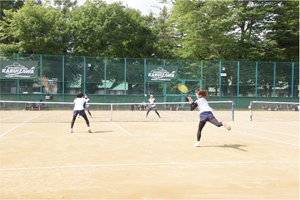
[[161, 73], [19, 69]]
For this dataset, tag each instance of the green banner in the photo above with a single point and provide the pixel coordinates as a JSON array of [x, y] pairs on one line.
[[161, 73], [19, 69]]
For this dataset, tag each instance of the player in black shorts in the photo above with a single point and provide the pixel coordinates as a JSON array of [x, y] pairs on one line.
[[152, 106], [79, 104]]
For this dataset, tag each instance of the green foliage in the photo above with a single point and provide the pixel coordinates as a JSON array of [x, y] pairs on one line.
[[284, 34], [34, 29], [198, 30], [100, 29]]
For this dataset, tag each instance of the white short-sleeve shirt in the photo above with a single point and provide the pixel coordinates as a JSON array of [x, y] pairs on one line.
[[203, 105], [152, 102], [79, 104]]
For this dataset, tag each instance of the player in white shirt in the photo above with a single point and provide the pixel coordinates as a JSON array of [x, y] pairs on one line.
[[87, 106], [152, 106], [206, 114], [79, 105]]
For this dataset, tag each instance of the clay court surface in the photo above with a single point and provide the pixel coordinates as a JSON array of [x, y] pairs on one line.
[[133, 157]]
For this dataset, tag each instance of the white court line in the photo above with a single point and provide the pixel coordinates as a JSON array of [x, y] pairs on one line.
[[10, 117], [20, 125], [267, 130], [147, 164], [117, 126], [267, 138], [276, 121]]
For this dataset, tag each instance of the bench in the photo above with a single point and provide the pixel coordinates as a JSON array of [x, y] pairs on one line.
[[32, 106]]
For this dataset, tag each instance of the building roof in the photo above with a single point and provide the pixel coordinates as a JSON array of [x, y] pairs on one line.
[[120, 86], [106, 83], [74, 84]]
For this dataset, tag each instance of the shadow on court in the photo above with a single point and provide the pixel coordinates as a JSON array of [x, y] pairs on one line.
[[101, 131], [233, 146]]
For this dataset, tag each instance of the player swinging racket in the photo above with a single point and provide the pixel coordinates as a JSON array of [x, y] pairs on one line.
[[205, 113], [79, 105], [152, 106]]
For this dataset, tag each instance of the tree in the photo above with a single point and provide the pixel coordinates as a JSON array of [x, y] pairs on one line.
[[111, 30], [10, 5], [165, 31], [203, 28], [283, 32], [34, 29]]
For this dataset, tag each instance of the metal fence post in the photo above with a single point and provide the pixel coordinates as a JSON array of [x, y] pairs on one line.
[[145, 75], [84, 75], [63, 78], [165, 86], [256, 74], [105, 80], [274, 82], [220, 82], [238, 86], [292, 92], [125, 83], [18, 82], [201, 82], [41, 76]]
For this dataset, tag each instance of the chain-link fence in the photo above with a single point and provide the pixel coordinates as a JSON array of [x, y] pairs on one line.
[[112, 80]]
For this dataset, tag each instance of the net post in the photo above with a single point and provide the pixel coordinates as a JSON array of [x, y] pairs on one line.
[[111, 111], [251, 104], [232, 110], [165, 92]]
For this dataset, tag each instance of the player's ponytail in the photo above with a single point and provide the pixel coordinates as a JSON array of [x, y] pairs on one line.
[[202, 93]]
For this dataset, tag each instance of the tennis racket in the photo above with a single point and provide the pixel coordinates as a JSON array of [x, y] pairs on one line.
[[183, 89]]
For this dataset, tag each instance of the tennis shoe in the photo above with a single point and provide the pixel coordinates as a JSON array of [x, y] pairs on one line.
[[89, 130], [227, 126], [71, 131], [197, 144]]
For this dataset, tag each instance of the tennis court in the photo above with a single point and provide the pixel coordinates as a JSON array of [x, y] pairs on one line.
[[147, 158]]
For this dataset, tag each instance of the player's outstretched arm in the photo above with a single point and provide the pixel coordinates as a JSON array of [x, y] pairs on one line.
[[193, 105]]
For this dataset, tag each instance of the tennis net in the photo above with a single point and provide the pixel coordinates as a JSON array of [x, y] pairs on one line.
[[266, 110], [169, 111]]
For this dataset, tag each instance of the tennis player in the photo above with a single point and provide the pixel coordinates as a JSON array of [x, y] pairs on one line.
[[79, 105], [206, 114], [87, 106], [152, 106]]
